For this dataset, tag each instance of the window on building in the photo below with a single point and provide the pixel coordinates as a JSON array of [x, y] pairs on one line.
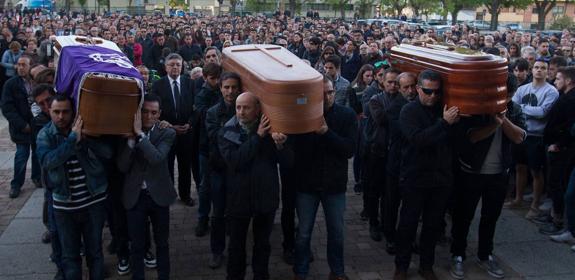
[[558, 10]]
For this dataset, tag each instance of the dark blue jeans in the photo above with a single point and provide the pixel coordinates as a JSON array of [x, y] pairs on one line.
[[73, 228], [20, 161], [218, 196], [333, 208], [570, 202], [138, 217], [204, 204], [53, 228]]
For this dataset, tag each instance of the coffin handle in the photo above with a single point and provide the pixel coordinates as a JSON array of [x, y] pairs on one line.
[[264, 50]]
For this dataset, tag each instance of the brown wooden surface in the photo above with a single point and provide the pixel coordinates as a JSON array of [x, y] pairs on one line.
[[107, 106], [476, 84], [290, 91]]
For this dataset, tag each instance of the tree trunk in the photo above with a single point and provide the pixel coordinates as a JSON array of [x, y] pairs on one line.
[[454, 13], [494, 11], [342, 9], [292, 6]]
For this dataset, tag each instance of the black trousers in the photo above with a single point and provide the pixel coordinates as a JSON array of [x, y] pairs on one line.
[[558, 171], [374, 188], [182, 151], [138, 217], [428, 203], [491, 189], [262, 228], [289, 190], [392, 199]]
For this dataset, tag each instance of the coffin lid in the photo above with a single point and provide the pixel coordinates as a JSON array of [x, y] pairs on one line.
[[435, 53], [64, 41], [270, 63]]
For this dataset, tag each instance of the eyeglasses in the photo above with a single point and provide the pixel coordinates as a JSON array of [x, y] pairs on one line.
[[430, 91]]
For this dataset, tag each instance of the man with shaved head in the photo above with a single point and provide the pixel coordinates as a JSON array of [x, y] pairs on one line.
[[251, 154]]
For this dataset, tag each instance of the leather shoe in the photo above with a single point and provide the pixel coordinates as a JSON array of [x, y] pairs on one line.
[[216, 261], [202, 228], [189, 202], [14, 193], [333, 277], [427, 274], [400, 275], [46, 237], [374, 233], [390, 248]]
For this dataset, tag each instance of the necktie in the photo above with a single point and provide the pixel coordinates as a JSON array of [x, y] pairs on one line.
[[176, 97]]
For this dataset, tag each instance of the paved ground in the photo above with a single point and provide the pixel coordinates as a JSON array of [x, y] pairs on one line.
[[524, 252]]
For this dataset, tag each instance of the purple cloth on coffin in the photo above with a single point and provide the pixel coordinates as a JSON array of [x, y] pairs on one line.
[[76, 61]]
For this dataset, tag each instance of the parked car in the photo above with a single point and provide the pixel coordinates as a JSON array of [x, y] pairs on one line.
[[479, 24]]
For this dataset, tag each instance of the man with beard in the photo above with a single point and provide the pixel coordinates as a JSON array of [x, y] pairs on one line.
[[407, 82]]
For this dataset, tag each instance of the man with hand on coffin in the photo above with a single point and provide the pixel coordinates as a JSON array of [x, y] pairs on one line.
[[208, 96], [251, 154], [321, 161], [484, 162], [177, 101], [148, 189], [426, 173]]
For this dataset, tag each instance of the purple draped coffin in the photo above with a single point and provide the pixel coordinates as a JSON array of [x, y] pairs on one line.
[[106, 87]]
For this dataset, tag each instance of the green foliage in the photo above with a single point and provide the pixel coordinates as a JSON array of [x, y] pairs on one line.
[[82, 3], [260, 5], [339, 5], [562, 23], [424, 7], [364, 8], [394, 7]]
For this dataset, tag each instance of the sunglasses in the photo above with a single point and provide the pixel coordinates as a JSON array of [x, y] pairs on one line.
[[429, 91]]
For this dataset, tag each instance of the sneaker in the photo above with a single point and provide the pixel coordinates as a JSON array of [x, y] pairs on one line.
[[565, 237], [456, 270], [543, 220], [123, 267], [400, 275], [150, 260], [202, 228], [289, 256], [216, 261], [513, 204], [551, 229], [14, 193], [528, 197], [546, 206], [532, 214], [390, 248], [46, 237], [492, 267], [428, 274], [374, 233], [341, 277]]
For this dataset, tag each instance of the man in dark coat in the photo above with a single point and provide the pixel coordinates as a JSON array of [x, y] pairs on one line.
[[16, 107], [251, 155], [425, 173]]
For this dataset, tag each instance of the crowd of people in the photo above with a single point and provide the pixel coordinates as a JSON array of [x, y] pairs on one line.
[[414, 159]]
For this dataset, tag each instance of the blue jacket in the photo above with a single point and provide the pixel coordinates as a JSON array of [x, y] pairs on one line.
[[54, 149]]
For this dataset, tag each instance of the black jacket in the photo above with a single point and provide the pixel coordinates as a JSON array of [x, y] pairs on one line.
[[376, 129], [427, 156], [163, 89], [206, 98], [216, 118], [321, 160], [188, 51], [298, 50], [395, 137], [560, 118], [472, 156], [313, 57], [16, 110], [251, 172]]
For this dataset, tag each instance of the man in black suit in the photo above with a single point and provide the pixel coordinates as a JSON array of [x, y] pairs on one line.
[[176, 96], [148, 190]]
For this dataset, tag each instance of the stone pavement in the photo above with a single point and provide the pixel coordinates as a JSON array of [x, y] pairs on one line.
[[524, 253]]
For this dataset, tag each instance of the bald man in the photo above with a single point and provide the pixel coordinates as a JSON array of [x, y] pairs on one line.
[[251, 154]]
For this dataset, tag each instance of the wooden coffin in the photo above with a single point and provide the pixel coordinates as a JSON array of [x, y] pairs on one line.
[[290, 91], [107, 105], [476, 82], [107, 102]]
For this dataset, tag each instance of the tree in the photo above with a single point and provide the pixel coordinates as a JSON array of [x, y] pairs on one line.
[[364, 8], [494, 7], [339, 5], [543, 8], [396, 6], [292, 4], [420, 7], [455, 6], [82, 3], [562, 23]]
